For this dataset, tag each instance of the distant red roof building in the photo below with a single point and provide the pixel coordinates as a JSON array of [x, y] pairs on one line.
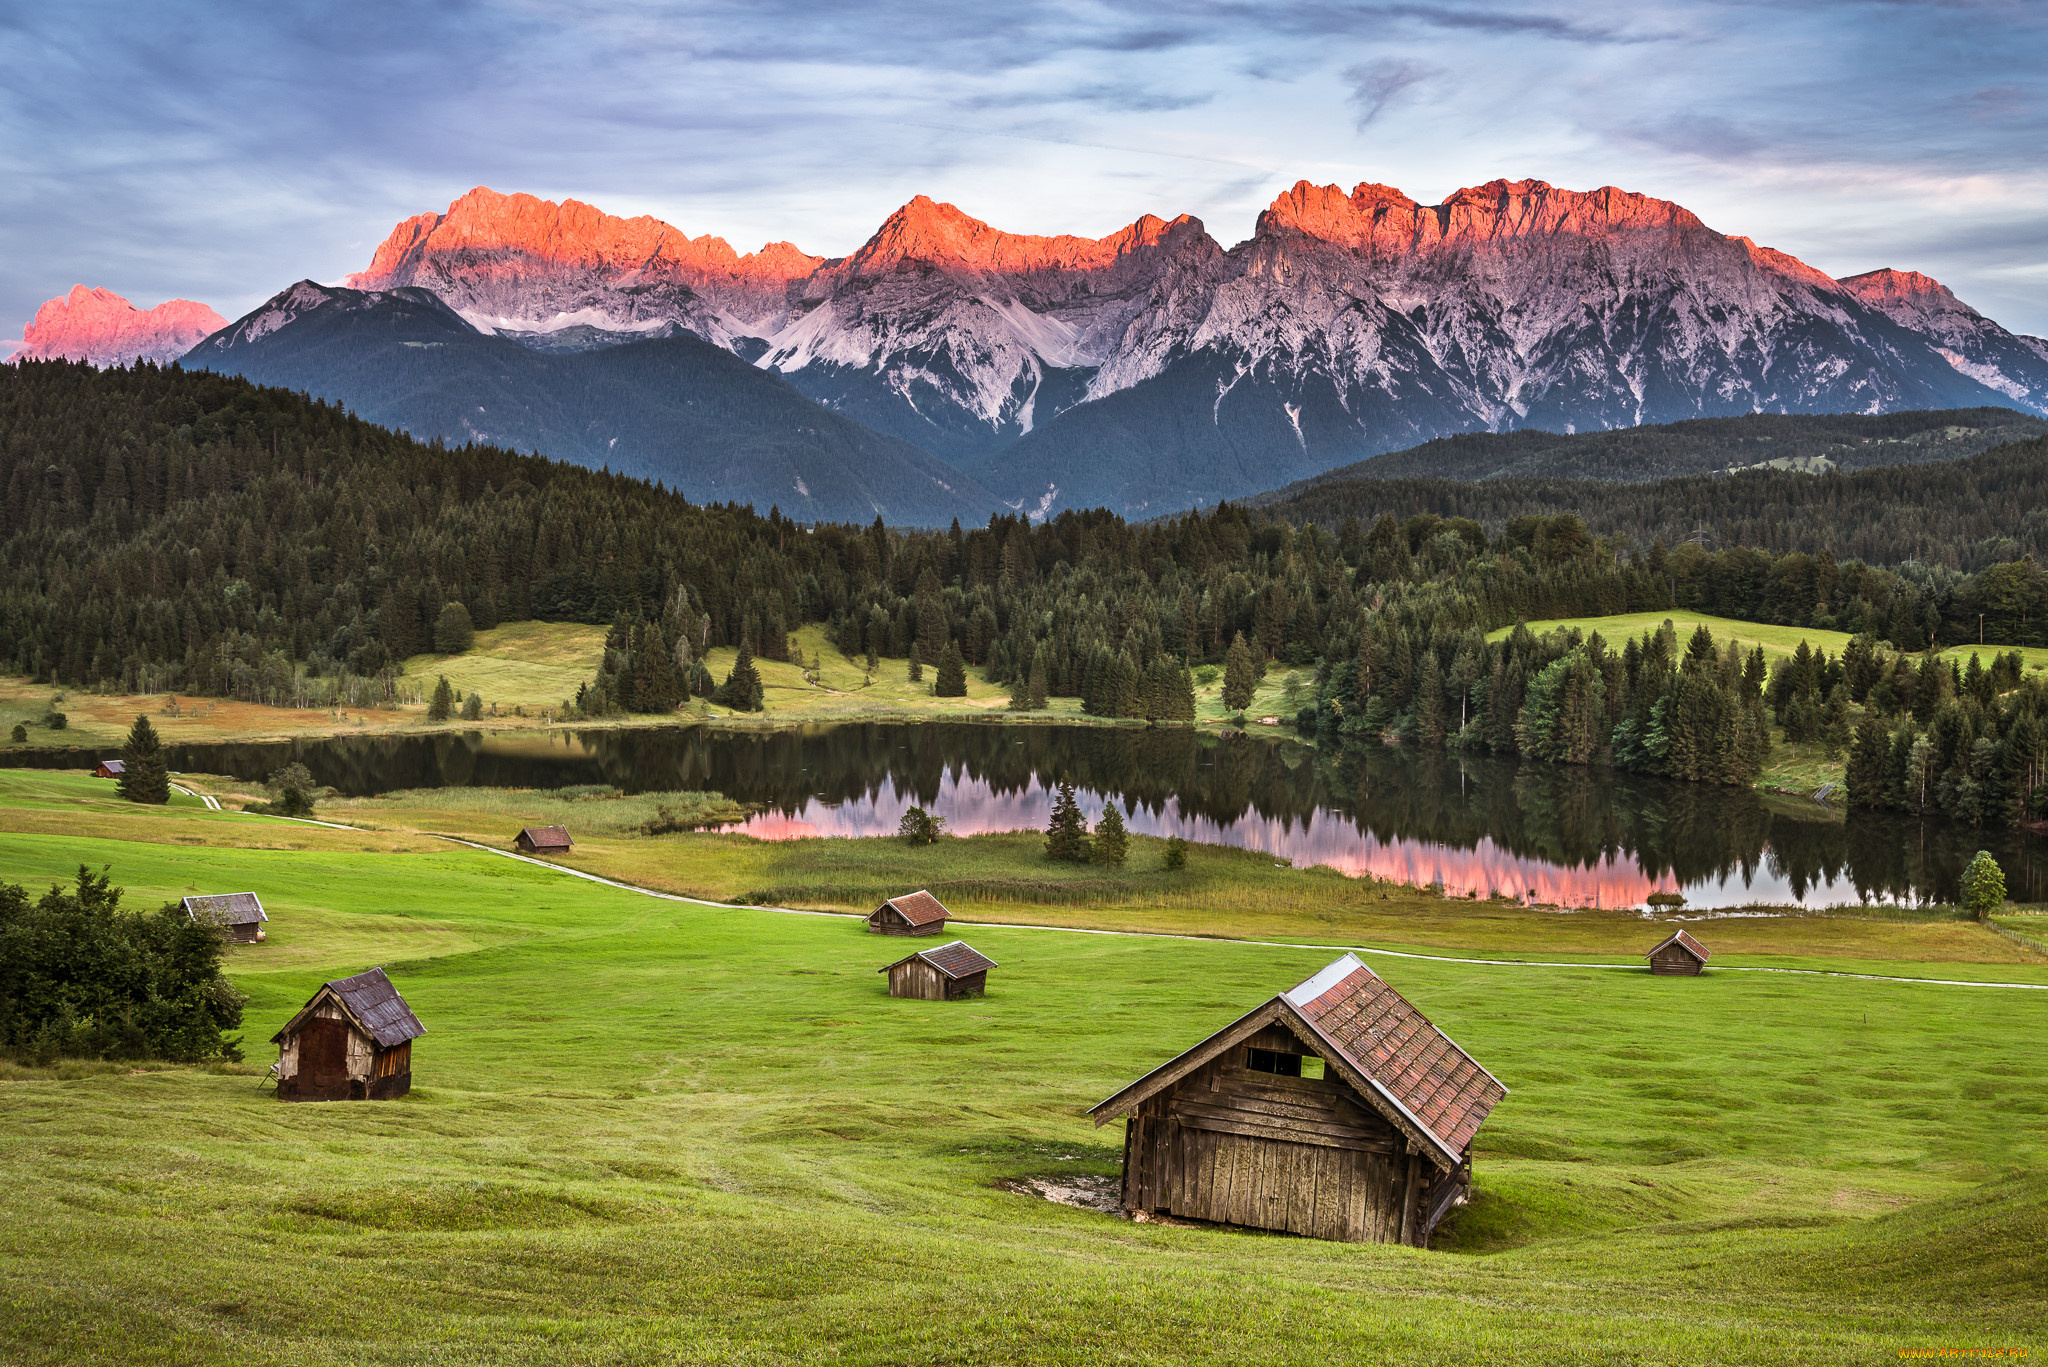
[[544, 839], [916, 913]]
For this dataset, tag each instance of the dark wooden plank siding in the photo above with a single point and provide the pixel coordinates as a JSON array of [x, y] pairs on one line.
[[1671, 961]]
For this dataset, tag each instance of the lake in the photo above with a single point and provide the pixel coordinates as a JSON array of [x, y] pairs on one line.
[[1548, 833]]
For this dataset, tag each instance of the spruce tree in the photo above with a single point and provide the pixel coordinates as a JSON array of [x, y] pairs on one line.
[[442, 705], [952, 680], [1066, 836], [742, 691], [1239, 678], [1112, 843], [146, 774], [916, 663], [1040, 664], [1869, 756]]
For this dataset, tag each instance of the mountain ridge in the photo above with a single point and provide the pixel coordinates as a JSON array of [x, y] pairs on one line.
[[98, 325]]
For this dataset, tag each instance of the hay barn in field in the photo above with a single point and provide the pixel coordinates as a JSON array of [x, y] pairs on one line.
[[1679, 956], [110, 768], [917, 913], [1335, 1110], [544, 840], [351, 1042], [240, 914], [945, 974]]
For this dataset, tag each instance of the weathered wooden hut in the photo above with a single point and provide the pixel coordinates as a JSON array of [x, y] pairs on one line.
[[351, 1042], [240, 914], [1335, 1110], [916, 913], [1679, 956], [110, 768], [941, 975], [544, 840]]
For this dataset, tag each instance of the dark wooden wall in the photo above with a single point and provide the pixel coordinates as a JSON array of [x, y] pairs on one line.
[[1671, 961], [889, 921], [1305, 1155]]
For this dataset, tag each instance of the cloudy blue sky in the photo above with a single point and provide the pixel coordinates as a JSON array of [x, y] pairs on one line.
[[219, 151]]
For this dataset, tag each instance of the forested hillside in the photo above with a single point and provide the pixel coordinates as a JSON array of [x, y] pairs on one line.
[[171, 531]]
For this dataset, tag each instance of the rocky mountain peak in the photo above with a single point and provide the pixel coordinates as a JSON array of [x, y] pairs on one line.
[[942, 235], [1383, 220], [98, 325], [1903, 294]]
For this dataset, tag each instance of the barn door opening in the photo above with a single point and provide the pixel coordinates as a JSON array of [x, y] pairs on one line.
[[323, 1058]]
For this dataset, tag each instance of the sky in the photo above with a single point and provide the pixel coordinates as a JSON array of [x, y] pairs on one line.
[[219, 151]]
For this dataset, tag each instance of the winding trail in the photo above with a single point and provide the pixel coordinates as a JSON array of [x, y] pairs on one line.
[[1219, 939]]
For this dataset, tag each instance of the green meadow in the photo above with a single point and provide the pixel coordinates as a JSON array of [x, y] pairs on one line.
[[646, 1130], [1777, 642]]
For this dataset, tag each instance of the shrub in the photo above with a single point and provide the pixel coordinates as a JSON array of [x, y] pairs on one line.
[[1665, 899], [1176, 853], [472, 707], [146, 775], [1983, 886], [454, 632], [55, 720], [920, 827], [1305, 720], [291, 791], [20, 736]]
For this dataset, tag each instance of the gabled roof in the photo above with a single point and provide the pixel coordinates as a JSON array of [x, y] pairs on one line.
[[1684, 942], [226, 908], [549, 836], [1385, 1049], [114, 766], [371, 1002], [919, 908], [956, 960]]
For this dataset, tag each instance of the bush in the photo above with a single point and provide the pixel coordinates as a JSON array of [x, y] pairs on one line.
[[454, 632], [1983, 886], [291, 791], [1305, 720], [1176, 854], [1665, 899], [1207, 675], [55, 720], [920, 827], [81, 978], [20, 736], [473, 707]]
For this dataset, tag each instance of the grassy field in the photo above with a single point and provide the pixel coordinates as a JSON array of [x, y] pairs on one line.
[[1777, 642], [531, 665], [651, 1131]]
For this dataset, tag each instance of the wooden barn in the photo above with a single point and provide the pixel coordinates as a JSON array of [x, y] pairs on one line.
[[917, 913], [110, 768], [945, 974], [240, 914], [351, 1042], [1335, 1110], [544, 840], [1679, 956]]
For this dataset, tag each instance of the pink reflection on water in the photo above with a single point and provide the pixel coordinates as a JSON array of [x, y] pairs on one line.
[[972, 807]]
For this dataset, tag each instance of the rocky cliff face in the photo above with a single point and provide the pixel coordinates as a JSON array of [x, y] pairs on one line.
[[1349, 323], [100, 326]]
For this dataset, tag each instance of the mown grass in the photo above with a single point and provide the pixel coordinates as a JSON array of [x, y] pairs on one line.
[[1777, 641], [534, 665], [651, 1131]]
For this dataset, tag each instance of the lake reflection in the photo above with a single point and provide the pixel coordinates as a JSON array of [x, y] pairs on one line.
[[1549, 833]]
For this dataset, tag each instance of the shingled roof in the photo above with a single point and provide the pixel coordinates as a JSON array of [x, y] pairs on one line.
[[1684, 942], [919, 908], [1376, 1041], [372, 1002], [956, 960], [548, 837], [226, 908], [116, 767]]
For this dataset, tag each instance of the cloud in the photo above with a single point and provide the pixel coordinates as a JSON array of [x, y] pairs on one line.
[[1376, 84]]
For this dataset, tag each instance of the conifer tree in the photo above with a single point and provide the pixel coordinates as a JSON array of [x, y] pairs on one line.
[[1869, 755], [146, 774], [916, 662], [442, 705], [742, 691], [1238, 677], [1066, 835], [1039, 683], [1112, 842], [952, 680]]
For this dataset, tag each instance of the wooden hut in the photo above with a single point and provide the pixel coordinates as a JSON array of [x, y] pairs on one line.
[[1679, 956], [240, 914], [917, 913], [1335, 1110], [110, 768], [351, 1042], [544, 840], [945, 974]]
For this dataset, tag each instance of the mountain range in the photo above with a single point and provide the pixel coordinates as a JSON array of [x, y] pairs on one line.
[[947, 367]]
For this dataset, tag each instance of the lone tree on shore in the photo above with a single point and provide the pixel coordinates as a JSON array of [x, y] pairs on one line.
[[952, 680], [1112, 842], [146, 774], [442, 705], [291, 790], [920, 827], [742, 691], [1983, 886], [1066, 836], [1239, 676]]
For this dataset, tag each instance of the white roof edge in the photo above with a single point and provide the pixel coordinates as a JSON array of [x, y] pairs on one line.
[[1380, 1087], [1304, 993]]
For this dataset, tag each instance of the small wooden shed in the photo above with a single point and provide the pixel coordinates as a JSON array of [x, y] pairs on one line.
[[351, 1042], [544, 840], [240, 914], [945, 974], [1335, 1110], [916, 913], [1679, 956], [110, 768]]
